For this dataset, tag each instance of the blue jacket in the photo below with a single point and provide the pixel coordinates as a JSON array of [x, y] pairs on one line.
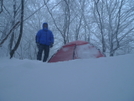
[[45, 36]]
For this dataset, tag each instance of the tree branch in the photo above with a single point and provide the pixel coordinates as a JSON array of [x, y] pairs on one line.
[[1, 6], [52, 17], [10, 32]]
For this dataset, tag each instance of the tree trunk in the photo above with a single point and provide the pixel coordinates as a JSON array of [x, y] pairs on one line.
[[1, 6], [13, 22], [21, 31]]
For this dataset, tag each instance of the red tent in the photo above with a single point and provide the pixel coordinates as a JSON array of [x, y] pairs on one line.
[[76, 50]]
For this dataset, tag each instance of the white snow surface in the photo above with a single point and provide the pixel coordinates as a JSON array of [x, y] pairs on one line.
[[86, 51], [101, 79]]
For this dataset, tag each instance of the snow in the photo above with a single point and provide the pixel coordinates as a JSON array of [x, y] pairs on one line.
[[86, 51], [102, 79]]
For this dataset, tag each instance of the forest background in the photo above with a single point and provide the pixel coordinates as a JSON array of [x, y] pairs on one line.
[[107, 24]]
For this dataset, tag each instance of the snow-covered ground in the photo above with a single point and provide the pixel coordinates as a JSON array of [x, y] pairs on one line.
[[102, 79]]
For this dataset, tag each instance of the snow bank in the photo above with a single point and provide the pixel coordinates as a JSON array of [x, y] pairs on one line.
[[102, 79]]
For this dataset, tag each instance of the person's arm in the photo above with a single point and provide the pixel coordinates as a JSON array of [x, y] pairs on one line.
[[37, 37], [51, 40]]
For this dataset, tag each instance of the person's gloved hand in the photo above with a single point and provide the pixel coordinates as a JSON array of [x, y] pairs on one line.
[[37, 44], [51, 45]]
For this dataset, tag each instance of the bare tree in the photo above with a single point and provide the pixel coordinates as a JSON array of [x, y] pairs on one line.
[[114, 21], [86, 20], [21, 30], [67, 20], [13, 21], [98, 13]]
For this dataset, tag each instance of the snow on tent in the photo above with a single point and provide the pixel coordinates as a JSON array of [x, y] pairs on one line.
[[76, 50]]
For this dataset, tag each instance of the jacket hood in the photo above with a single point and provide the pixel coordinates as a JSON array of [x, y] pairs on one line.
[[45, 25]]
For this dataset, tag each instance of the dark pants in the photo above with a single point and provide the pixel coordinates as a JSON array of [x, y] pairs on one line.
[[41, 49]]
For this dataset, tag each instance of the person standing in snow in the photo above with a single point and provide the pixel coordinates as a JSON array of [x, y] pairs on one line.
[[44, 41]]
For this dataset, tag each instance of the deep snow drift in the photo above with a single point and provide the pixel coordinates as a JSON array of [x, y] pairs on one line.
[[102, 79]]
